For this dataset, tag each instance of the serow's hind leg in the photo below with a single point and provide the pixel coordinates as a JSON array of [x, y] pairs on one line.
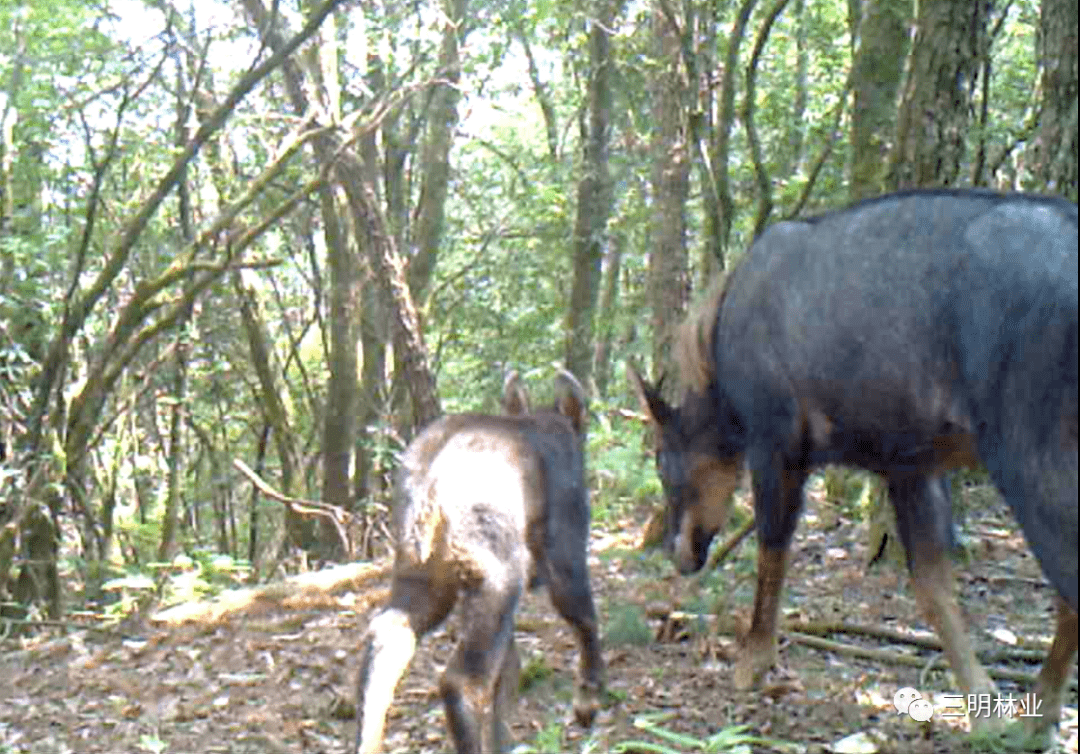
[[1055, 673], [506, 696], [924, 521], [473, 686], [417, 604], [572, 598]]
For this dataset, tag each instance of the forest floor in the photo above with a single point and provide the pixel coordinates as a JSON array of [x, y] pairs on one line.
[[283, 681]]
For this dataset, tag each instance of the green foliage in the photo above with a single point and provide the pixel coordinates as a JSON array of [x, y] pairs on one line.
[[626, 625], [622, 476], [1013, 736], [152, 744], [133, 593], [704, 602], [503, 278], [535, 671], [1012, 105], [644, 562], [549, 740], [731, 740], [200, 574], [185, 578], [849, 489]]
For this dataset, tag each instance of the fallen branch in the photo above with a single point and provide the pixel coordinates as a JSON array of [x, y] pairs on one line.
[[826, 628], [72, 625], [303, 591], [335, 513], [628, 415], [810, 634], [896, 658]]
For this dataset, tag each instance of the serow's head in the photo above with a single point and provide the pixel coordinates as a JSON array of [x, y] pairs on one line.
[[698, 477]]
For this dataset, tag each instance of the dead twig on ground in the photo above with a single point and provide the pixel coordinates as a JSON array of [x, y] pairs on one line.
[[897, 658], [811, 634], [1030, 653]]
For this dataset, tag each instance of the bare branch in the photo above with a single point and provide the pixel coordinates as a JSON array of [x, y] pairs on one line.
[[764, 185]]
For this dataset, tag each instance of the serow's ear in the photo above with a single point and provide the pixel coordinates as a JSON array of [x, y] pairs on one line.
[[515, 396], [654, 406], [570, 400]]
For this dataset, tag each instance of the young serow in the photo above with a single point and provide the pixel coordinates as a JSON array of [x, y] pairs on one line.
[[907, 335], [486, 506]]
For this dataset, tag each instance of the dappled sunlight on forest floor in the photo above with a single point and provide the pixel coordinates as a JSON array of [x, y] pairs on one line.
[[283, 680]]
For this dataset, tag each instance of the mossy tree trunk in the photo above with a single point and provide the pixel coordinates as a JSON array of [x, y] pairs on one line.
[[947, 55], [1051, 157], [669, 280], [594, 196], [877, 69]]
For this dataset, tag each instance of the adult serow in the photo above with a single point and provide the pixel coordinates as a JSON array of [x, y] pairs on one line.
[[486, 505], [908, 335]]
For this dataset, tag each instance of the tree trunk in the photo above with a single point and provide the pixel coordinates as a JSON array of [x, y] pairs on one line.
[[797, 138], [435, 179], [277, 408], [855, 16], [176, 453], [373, 338], [224, 526], [389, 271], [142, 317], [339, 414], [725, 120], [608, 308], [435, 156], [668, 262], [1051, 157], [253, 510], [593, 199], [761, 173], [876, 72], [946, 56], [339, 421], [13, 193], [692, 41], [38, 581], [375, 332], [372, 233], [170, 518], [339, 418], [703, 125], [543, 96]]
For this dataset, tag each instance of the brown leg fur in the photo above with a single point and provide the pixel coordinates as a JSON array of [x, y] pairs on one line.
[[1055, 671], [506, 697], [759, 651], [471, 687], [932, 583]]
